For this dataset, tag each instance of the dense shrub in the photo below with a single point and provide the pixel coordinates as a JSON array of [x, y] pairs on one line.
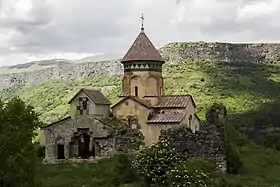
[[271, 140], [40, 150], [234, 162], [123, 171], [153, 162], [227, 181], [193, 172], [161, 165]]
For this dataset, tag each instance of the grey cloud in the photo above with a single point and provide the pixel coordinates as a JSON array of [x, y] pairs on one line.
[[81, 27], [91, 26]]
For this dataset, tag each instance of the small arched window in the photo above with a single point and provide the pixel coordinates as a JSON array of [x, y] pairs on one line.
[[190, 120], [136, 91]]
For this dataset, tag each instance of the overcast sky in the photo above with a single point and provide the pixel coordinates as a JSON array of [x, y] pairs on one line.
[[40, 29]]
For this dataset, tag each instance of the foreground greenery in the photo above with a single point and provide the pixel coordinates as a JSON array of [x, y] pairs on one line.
[[157, 165], [251, 94], [17, 154]]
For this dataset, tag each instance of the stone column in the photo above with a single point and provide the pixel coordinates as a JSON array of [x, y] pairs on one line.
[[52, 151], [90, 142], [52, 147], [49, 151], [75, 148]]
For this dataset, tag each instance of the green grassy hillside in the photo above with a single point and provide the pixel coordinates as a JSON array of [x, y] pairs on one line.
[[240, 89], [251, 94]]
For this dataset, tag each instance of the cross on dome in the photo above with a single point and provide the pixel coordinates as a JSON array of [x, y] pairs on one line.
[[142, 25]]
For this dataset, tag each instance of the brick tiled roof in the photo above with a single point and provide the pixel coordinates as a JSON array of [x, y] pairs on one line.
[[167, 117], [174, 101], [142, 49]]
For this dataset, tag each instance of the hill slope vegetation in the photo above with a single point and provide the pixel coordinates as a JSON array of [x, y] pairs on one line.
[[251, 94]]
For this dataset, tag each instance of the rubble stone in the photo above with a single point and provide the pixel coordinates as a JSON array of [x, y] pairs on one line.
[[209, 142]]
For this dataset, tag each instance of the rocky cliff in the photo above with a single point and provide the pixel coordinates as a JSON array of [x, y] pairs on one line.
[[173, 53], [66, 72], [223, 52]]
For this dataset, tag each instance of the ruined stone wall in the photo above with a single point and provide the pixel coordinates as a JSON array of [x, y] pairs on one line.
[[209, 141], [129, 140], [126, 140]]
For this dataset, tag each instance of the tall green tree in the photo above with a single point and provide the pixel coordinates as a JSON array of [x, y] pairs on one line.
[[18, 123]]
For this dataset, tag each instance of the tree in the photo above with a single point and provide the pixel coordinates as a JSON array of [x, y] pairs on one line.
[[18, 123]]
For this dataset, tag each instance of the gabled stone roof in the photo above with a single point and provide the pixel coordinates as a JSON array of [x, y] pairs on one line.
[[142, 49], [95, 95], [137, 99], [63, 120]]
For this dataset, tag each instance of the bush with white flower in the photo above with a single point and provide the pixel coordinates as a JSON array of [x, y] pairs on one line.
[[162, 165], [153, 162], [190, 173]]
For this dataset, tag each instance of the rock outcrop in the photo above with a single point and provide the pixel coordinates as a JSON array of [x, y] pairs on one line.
[[173, 53], [66, 72], [222, 52]]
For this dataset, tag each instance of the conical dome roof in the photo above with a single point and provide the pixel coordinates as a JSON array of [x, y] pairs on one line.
[[142, 49]]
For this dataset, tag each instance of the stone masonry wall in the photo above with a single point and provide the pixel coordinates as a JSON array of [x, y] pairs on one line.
[[208, 142], [173, 53], [129, 140]]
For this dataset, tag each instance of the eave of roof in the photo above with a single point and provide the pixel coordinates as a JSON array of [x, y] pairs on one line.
[[138, 100], [57, 122], [86, 91], [142, 49], [197, 117]]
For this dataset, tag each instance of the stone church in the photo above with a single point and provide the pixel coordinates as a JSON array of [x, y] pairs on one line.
[[142, 105]]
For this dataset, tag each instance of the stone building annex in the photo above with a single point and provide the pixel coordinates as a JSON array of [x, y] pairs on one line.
[[142, 105]]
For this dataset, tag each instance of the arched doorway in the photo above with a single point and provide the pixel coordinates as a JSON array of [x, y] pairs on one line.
[[60, 151], [84, 141]]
